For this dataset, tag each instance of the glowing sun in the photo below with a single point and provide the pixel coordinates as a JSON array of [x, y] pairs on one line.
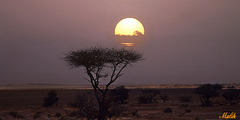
[[128, 30], [129, 26]]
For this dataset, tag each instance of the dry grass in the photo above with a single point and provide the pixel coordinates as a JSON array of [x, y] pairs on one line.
[[27, 102]]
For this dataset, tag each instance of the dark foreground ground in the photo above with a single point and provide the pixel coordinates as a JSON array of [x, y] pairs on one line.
[[27, 103]]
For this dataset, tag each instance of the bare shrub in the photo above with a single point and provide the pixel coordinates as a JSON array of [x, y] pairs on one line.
[[51, 99], [86, 105]]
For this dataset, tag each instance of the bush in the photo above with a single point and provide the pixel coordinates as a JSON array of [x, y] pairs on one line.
[[164, 98], [16, 115], [231, 95], [36, 115], [148, 96], [58, 114], [51, 99], [119, 94], [185, 99], [86, 105], [135, 113], [208, 91], [167, 110], [145, 99]]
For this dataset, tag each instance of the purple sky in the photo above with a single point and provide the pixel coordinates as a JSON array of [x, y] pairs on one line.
[[186, 41]]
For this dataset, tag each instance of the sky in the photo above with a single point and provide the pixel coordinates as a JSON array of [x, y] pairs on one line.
[[186, 41]]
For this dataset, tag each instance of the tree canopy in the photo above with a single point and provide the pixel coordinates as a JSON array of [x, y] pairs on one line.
[[101, 63]]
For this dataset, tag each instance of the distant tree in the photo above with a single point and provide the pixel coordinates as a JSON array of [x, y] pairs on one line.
[[232, 94], [208, 91], [51, 99], [102, 63]]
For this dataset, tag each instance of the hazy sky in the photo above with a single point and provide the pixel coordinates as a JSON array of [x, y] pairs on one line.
[[187, 41]]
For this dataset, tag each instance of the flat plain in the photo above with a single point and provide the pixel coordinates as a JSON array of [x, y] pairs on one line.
[[27, 100]]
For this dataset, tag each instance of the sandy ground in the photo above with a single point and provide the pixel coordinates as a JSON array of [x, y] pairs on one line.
[[26, 100]]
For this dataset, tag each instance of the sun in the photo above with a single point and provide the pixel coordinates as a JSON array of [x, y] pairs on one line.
[[129, 27], [129, 32]]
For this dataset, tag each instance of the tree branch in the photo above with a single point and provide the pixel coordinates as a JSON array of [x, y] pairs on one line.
[[116, 76]]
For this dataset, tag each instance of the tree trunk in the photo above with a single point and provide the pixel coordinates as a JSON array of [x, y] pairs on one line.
[[103, 109]]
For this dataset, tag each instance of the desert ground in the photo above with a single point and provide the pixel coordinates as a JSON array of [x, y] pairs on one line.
[[26, 101]]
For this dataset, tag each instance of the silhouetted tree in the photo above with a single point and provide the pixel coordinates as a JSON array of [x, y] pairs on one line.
[[50, 99], [208, 91], [102, 63], [231, 95]]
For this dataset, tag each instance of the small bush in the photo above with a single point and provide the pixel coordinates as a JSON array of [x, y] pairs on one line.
[[185, 99], [51, 99], [135, 113], [58, 114], [144, 99], [86, 105], [164, 98], [16, 115], [231, 95], [36, 115], [167, 110]]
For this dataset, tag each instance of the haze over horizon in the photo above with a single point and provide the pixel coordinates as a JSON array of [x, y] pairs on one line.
[[186, 42]]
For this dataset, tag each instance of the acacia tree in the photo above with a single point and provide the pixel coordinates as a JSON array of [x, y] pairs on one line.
[[208, 91], [102, 63]]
